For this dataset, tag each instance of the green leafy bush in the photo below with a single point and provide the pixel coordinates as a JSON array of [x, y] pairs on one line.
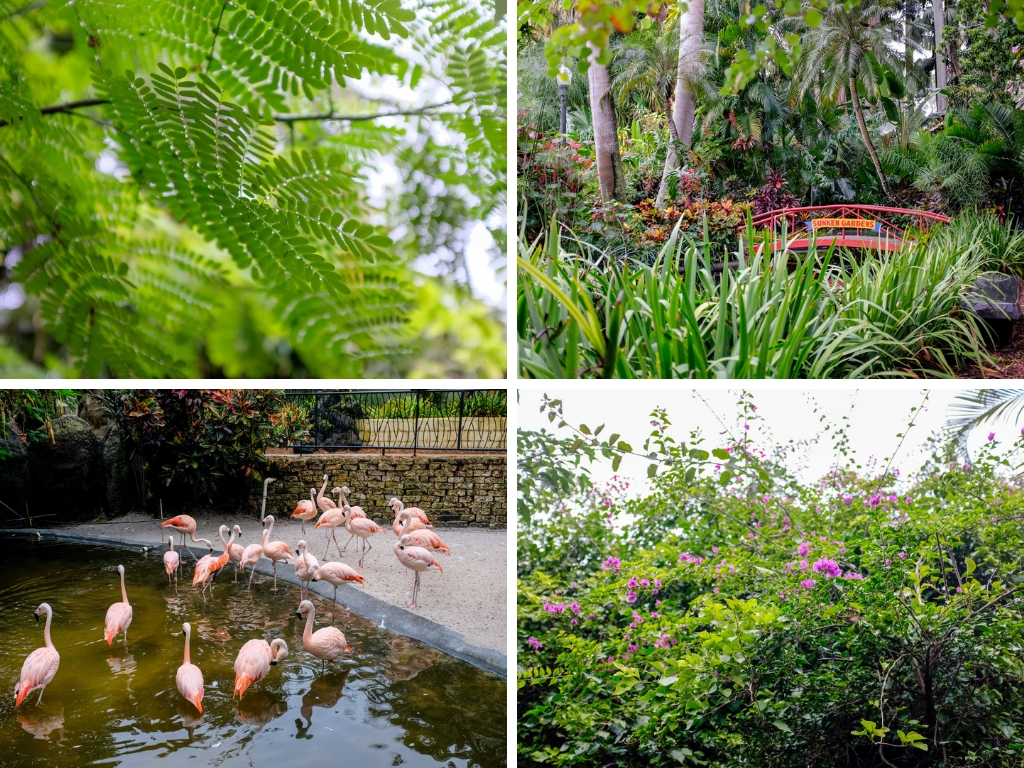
[[203, 446], [736, 615]]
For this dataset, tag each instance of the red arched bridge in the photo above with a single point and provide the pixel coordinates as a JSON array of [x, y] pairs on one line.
[[847, 226]]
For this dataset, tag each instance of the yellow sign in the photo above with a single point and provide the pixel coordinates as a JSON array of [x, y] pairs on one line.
[[843, 223]]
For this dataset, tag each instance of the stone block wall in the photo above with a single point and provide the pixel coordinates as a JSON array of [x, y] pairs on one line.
[[465, 490]]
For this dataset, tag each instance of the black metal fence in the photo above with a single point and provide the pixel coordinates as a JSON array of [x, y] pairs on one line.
[[417, 419]]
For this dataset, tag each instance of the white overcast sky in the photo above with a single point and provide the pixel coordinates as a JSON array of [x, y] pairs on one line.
[[878, 414]]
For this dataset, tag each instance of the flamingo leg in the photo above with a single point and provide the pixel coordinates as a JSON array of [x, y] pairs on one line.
[[275, 576], [334, 607], [252, 572], [324, 558], [346, 544], [336, 545], [415, 589]]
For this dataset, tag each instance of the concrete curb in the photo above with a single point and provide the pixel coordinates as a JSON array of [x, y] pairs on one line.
[[395, 619]]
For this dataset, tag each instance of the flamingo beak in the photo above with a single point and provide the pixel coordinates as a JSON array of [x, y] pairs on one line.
[[36, 614], [273, 662]]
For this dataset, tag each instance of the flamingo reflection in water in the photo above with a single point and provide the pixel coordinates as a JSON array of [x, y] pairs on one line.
[[325, 691]]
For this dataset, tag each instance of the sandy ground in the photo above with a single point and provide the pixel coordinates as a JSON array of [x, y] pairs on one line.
[[469, 597]]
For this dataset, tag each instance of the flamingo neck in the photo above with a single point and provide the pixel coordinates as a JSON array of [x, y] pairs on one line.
[[312, 498], [46, 629], [231, 540], [124, 594], [266, 536], [269, 530], [320, 495], [307, 633], [170, 543], [227, 544], [187, 659]]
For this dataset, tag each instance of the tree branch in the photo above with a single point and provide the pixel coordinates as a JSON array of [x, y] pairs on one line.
[[357, 118], [67, 106]]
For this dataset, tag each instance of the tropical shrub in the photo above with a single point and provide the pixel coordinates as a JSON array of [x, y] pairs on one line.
[[199, 446], [28, 414], [738, 615]]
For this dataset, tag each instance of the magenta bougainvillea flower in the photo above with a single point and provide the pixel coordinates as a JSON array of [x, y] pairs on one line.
[[804, 549], [612, 564], [828, 567], [534, 643], [808, 583]]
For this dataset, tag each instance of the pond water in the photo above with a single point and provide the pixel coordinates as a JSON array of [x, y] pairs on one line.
[[393, 701]]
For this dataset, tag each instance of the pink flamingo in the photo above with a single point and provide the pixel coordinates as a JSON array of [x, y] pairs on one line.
[[332, 518], [364, 528], [427, 540], [119, 615], [305, 510], [419, 560], [343, 493], [406, 523], [234, 550], [209, 566], [356, 511], [303, 565], [171, 560], [336, 574], [397, 506], [184, 524], [275, 551], [324, 502], [251, 555], [254, 661], [189, 677], [41, 665], [326, 644]]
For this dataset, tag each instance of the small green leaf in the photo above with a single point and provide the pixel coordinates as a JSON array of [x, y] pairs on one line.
[[782, 726]]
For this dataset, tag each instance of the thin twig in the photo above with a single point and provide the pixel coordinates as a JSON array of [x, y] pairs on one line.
[[216, 31], [26, 9]]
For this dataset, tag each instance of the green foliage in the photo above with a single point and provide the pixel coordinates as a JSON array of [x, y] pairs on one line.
[[200, 446], [736, 615], [186, 187], [693, 314], [29, 413]]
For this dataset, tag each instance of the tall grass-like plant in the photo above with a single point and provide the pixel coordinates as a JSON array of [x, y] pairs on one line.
[[770, 313]]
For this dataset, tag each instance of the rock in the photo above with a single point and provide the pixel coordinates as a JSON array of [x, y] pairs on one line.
[[995, 299], [67, 477], [14, 477], [121, 491]]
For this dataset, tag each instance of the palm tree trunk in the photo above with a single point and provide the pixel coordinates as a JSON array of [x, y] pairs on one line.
[[691, 41], [862, 124], [939, 20], [673, 139], [606, 136]]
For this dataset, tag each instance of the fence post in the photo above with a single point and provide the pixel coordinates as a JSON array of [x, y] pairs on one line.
[[462, 400], [416, 424], [316, 421]]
